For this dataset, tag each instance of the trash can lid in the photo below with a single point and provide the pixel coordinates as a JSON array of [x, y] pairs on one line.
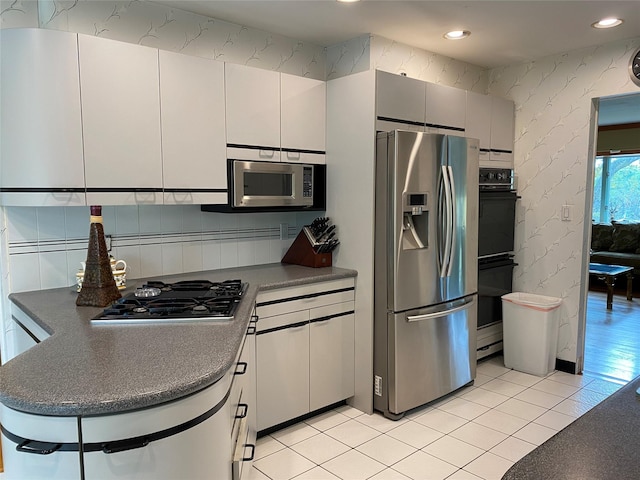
[[530, 300]]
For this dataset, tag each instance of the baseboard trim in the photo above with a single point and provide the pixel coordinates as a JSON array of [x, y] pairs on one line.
[[566, 366]]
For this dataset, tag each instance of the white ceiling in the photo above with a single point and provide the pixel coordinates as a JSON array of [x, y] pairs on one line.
[[503, 32]]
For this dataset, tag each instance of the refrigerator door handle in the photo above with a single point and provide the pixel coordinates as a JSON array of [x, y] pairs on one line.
[[444, 267], [452, 224], [417, 318]]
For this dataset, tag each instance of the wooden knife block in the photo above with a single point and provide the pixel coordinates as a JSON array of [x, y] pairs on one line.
[[301, 252]]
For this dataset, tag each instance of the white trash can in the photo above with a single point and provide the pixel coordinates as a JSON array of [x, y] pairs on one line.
[[530, 332]]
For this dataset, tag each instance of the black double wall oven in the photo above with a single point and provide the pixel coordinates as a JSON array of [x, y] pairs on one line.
[[496, 229]]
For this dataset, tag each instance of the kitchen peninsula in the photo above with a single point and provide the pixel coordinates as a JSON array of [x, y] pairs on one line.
[[602, 444], [84, 377]]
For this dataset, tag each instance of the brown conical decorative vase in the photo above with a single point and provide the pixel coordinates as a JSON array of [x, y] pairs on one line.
[[98, 287]]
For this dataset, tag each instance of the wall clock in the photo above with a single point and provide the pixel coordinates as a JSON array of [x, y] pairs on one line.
[[634, 67]]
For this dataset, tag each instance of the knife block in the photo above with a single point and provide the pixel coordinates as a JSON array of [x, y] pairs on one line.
[[301, 252]]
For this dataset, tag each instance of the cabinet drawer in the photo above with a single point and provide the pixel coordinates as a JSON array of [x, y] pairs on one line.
[[303, 303], [319, 287], [283, 320], [288, 300], [331, 310]]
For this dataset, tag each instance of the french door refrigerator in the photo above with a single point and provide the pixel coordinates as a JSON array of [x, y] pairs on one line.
[[425, 268]]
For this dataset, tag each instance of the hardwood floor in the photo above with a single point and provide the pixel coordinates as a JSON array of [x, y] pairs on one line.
[[612, 344]]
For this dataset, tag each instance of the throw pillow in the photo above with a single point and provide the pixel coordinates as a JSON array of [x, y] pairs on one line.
[[626, 238], [601, 237]]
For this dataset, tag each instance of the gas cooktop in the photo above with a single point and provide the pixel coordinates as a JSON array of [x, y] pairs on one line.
[[185, 301]]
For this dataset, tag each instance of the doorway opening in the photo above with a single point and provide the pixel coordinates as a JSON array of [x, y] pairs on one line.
[[612, 336]]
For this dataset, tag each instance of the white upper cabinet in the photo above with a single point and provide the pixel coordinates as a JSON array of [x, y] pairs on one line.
[[400, 102], [491, 120], [121, 121], [478, 122], [253, 113], [502, 128], [40, 120], [303, 119], [445, 109], [193, 129]]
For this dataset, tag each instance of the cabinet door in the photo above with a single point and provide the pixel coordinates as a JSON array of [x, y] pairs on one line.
[[400, 102], [24, 464], [22, 334], [253, 112], [332, 353], [478, 122], [283, 372], [445, 109], [40, 121], [502, 129], [303, 119], [121, 121], [193, 129], [201, 451]]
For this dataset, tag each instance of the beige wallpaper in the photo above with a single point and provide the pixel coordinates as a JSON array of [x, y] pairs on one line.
[[158, 26], [395, 57], [553, 98]]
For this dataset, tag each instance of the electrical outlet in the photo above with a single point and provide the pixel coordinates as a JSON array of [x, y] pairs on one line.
[[378, 385], [107, 239]]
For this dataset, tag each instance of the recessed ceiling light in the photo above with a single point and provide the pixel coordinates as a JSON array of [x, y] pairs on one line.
[[457, 34], [607, 23], [347, 1]]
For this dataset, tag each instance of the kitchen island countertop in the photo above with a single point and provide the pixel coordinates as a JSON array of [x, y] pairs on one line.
[[85, 369], [600, 445]]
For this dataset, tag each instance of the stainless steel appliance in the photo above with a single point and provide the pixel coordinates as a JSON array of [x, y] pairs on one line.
[[496, 226], [271, 184], [425, 268], [185, 301]]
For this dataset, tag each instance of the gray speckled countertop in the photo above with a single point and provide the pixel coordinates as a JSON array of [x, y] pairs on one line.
[[602, 444], [85, 369]]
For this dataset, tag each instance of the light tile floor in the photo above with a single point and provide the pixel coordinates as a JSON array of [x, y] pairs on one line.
[[476, 433]]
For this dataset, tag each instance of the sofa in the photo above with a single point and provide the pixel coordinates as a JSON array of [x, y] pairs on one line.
[[616, 244]]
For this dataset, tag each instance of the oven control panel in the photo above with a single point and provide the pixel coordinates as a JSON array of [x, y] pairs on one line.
[[496, 178]]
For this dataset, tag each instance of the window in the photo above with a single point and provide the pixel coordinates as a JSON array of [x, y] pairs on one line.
[[616, 191]]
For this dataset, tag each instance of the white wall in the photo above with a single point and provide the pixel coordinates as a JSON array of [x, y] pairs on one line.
[[553, 98]]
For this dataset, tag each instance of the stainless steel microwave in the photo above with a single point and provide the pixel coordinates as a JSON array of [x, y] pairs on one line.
[[271, 184]]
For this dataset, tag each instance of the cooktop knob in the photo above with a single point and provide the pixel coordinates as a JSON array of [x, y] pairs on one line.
[[491, 175]]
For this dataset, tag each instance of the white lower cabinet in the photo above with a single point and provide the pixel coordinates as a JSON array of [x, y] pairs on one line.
[[331, 357], [48, 457], [200, 451], [209, 434], [283, 370], [21, 334], [304, 349]]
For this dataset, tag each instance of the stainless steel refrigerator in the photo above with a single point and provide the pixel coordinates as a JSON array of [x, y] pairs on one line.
[[425, 268]]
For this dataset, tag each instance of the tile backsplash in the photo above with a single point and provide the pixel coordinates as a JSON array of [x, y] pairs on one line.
[[46, 245]]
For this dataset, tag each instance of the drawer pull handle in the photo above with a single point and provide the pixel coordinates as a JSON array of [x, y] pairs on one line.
[[124, 445], [243, 413], [40, 448], [253, 451], [241, 369]]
